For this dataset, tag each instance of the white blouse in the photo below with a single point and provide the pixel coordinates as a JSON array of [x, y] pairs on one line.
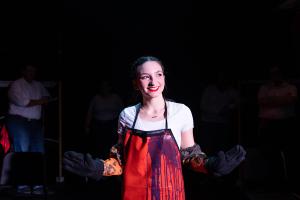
[[179, 118]]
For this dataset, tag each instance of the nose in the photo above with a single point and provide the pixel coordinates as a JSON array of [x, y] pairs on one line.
[[151, 83]]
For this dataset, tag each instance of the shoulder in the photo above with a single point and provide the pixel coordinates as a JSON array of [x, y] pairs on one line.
[[18, 81], [175, 108], [130, 111]]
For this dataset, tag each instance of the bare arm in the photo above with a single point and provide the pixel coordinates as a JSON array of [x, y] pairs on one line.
[[187, 139], [191, 153], [36, 102]]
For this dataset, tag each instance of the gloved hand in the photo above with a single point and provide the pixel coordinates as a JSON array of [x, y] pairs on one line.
[[83, 165], [224, 163]]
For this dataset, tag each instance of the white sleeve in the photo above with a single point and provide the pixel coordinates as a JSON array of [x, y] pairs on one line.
[[17, 96], [187, 119], [121, 123]]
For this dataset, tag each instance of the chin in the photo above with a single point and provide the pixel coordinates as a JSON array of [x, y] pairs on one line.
[[154, 95]]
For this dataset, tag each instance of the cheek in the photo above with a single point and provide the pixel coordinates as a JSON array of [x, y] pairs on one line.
[[140, 84], [145, 82], [162, 82]]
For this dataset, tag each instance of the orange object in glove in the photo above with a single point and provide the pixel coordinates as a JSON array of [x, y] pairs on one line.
[[197, 164], [112, 167]]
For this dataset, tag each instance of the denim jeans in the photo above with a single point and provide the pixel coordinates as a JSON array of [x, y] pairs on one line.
[[26, 135]]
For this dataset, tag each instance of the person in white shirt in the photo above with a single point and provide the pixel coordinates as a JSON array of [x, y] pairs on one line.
[[26, 98], [101, 119], [155, 140], [218, 106]]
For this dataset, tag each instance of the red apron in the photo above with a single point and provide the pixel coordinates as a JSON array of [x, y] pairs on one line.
[[152, 165]]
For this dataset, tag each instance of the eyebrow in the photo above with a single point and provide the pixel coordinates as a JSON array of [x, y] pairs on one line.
[[160, 71]]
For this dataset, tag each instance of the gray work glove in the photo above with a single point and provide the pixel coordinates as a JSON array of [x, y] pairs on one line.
[[83, 165], [224, 163]]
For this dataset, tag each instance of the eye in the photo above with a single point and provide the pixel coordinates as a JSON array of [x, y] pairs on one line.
[[144, 77], [160, 74]]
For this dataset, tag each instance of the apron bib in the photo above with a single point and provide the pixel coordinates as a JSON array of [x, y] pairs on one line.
[[152, 165]]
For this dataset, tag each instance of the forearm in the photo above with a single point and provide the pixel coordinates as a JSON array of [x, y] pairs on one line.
[[36, 102]]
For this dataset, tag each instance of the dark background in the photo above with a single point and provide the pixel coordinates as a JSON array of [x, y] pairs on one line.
[[78, 39], [82, 42]]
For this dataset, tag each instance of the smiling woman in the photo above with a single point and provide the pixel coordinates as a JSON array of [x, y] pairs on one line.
[[155, 141]]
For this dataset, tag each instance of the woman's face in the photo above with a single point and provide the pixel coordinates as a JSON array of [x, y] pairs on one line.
[[150, 79]]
